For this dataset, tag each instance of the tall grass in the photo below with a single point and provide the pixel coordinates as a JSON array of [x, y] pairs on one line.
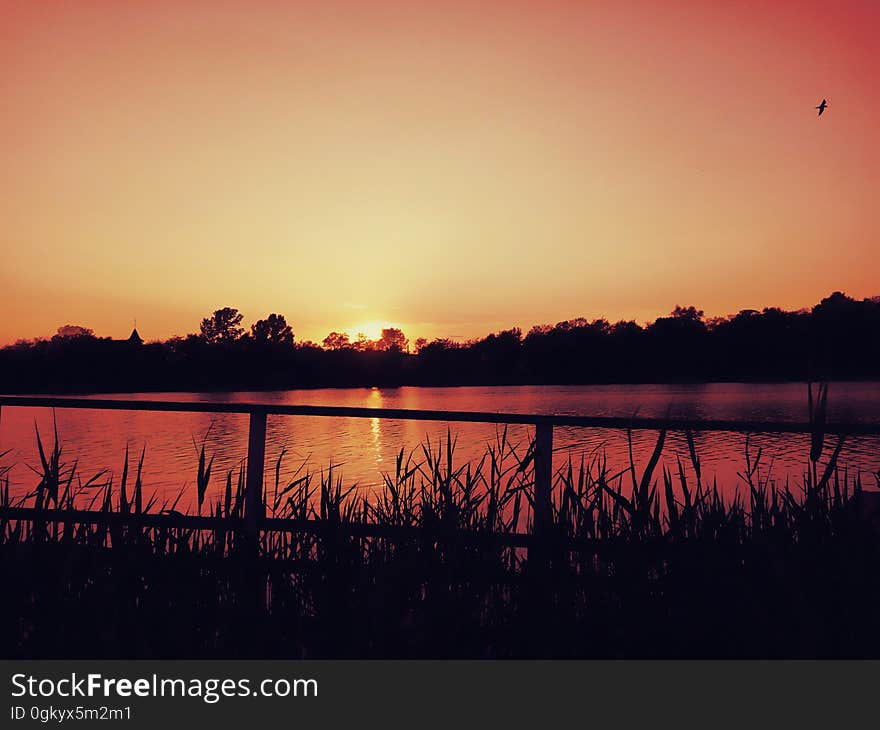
[[651, 560]]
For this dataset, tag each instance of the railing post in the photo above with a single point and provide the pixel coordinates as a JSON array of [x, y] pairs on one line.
[[254, 507], [543, 476], [540, 601], [253, 579]]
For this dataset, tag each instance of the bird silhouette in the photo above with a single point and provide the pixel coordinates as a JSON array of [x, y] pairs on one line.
[[822, 107]]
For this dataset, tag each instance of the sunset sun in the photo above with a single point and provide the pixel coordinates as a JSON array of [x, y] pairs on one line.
[[372, 329]]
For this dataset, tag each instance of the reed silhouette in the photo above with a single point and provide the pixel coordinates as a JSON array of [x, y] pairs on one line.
[[646, 562]]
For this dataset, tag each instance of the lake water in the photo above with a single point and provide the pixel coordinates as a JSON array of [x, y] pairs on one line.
[[361, 449]]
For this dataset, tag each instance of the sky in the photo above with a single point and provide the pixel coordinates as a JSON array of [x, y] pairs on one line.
[[450, 168]]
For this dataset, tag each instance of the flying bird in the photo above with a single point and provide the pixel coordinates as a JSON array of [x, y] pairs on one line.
[[822, 107]]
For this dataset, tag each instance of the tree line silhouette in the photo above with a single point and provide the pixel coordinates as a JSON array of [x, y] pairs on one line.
[[839, 338]]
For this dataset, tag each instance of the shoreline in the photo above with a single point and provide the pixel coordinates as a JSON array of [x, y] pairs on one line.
[[381, 386]]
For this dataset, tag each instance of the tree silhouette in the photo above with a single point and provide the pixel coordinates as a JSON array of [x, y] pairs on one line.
[[337, 341], [393, 340], [74, 330], [222, 327], [273, 330], [364, 343], [839, 338], [692, 314]]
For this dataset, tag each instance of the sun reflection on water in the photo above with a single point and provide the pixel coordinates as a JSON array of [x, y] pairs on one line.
[[375, 401]]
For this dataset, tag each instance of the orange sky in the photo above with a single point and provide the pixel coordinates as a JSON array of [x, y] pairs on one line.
[[448, 167]]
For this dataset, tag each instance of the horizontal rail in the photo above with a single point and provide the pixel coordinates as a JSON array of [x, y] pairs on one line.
[[178, 520], [671, 424]]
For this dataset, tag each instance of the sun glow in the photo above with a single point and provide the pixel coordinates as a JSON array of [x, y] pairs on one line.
[[372, 329]]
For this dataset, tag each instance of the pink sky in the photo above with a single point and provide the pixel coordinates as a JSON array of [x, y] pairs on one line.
[[450, 168]]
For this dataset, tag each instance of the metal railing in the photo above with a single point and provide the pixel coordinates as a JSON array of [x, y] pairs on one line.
[[255, 518]]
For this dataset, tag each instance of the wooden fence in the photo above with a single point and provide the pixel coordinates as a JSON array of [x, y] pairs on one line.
[[255, 519]]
